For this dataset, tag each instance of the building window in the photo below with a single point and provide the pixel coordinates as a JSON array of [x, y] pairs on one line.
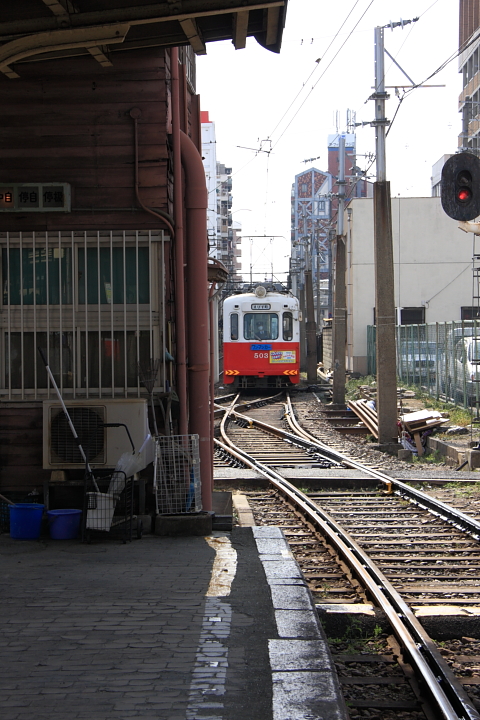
[[113, 278], [304, 188], [43, 277], [470, 313], [85, 298], [412, 315]]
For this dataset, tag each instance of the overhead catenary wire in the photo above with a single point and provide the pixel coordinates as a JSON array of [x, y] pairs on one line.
[[315, 68], [325, 70]]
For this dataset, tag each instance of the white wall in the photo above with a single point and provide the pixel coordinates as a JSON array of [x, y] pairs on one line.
[[209, 154], [432, 265]]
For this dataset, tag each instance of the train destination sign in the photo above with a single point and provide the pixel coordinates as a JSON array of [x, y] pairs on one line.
[[265, 306], [35, 197]]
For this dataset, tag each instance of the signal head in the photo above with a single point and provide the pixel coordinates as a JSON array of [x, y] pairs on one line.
[[461, 186]]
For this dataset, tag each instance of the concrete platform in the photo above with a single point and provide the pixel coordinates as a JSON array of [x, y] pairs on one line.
[[221, 627]]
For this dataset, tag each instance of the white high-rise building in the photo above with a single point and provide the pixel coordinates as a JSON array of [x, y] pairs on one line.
[[209, 156]]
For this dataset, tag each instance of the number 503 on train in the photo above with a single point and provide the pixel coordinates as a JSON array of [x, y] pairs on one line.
[[261, 339]]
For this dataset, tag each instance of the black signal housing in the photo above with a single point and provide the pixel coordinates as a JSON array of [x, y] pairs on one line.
[[461, 186]]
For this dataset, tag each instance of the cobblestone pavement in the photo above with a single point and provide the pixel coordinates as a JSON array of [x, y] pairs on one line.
[[110, 631], [100, 631]]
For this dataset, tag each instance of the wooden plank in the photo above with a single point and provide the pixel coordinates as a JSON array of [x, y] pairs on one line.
[[240, 29], [136, 60], [151, 176], [87, 135], [119, 197], [93, 92], [111, 155], [109, 113], [115, 220]]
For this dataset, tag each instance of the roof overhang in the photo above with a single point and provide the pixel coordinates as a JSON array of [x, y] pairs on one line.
[[45, 29]]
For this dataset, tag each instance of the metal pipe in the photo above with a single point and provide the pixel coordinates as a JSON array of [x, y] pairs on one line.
[[196, 202], [211, 296], [180, 324]]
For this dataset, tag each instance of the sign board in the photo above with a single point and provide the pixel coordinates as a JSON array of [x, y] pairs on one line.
[[283, 356], [265, 306], [35, 197]]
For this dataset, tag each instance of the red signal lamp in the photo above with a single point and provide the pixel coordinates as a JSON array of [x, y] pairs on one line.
[[464, 194]]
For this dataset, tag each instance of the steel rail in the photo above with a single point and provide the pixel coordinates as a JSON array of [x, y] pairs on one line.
[[446, 693], [445, 512]]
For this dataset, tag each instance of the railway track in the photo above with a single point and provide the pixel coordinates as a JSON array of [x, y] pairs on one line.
[[397, 547]]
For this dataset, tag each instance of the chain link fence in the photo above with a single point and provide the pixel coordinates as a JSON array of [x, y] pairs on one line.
[[441, 358]]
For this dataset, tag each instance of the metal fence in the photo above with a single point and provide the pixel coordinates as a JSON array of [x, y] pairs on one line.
[[93, 301], [441, 358], [176, 480]]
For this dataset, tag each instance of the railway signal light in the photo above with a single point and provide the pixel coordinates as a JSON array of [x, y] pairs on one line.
[[461, 186]]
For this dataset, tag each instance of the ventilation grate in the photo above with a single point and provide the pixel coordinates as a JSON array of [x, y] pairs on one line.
[[88, 424]]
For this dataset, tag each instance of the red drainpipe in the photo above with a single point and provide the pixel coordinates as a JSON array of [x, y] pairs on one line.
[[196, 200], [211, 296], [180, 349]]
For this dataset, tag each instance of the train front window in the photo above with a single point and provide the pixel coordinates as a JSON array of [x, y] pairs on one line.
[[260, 326], [287, 326], [234, 326]]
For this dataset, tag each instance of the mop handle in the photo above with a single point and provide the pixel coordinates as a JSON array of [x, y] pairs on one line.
[[72, 427]]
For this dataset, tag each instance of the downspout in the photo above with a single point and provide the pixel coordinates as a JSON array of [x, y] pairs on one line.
[[211, 298], [181, 352], [211, 295], [136, 114], [197, 308]]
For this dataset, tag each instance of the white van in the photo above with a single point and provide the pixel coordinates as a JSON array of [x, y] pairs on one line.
[[467, 361]]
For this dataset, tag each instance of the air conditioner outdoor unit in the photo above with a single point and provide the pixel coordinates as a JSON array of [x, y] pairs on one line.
[[60, 449]]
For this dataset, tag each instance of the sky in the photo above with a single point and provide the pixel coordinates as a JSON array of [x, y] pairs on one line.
[[288, 104]]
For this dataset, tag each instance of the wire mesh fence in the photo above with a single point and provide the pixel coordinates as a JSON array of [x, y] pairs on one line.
[[177, 474], [441, 358]]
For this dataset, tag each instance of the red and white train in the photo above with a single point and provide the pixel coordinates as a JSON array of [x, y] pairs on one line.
[[261, 339]]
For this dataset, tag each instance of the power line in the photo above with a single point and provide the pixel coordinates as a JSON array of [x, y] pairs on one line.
[[315, 68], [321, 76]]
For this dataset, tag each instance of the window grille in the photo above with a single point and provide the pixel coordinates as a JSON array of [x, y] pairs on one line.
[[93, 301]]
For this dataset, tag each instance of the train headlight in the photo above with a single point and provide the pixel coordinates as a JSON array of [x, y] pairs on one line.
[[260, 291]]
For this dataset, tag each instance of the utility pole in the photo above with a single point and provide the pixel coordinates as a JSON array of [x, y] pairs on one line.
[[340, 296], [310, 325], [317, 277], [384, 275]]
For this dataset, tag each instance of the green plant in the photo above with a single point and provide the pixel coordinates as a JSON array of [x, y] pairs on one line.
[[356, 638], [465, 490], [433, 457], [353, 384]]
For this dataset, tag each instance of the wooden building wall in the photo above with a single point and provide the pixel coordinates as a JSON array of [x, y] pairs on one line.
[[69, 121]]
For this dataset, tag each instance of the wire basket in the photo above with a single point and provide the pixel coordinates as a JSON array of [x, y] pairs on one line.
[[108, 507], [177, 483]]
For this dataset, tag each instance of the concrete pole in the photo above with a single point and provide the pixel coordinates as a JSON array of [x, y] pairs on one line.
[[303, 345], [384, 273], [310, 326], [340, 298], [339, 325]]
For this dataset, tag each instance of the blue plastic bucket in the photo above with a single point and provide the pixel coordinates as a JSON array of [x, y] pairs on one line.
[[26, 521], [64, 524]]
